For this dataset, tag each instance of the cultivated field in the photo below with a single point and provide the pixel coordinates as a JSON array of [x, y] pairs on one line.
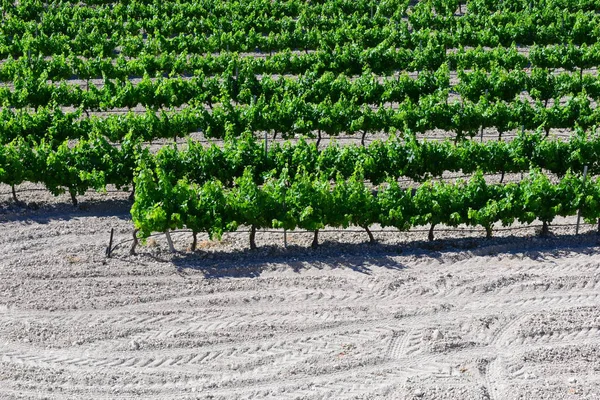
[[424, 126]]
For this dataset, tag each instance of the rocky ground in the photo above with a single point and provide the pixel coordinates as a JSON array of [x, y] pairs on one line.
[[515, 317]]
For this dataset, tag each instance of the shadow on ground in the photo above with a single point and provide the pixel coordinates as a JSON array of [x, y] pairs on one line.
[[329, 255], [33, 212], [362, 257]]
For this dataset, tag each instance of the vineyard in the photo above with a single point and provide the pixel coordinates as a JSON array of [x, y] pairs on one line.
[[302, 199], [87, 88]]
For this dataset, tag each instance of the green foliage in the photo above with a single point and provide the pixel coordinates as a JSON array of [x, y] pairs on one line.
[[253, 205], [488, 204], [308, 201], [205, 208], [18, 163], [544, 200], [353, 202], [312, 202], [159, 203], [396, 206]]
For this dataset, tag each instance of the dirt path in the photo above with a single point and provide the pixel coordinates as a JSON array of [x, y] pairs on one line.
[[511, 318]]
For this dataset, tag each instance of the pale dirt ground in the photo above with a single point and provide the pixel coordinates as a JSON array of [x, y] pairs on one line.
[[515, 317]]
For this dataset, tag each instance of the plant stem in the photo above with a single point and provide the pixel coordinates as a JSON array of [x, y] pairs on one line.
[[73, 198], [135, 242], [430, 236], [315, 242], [252, 236], [194, 241], [545, 229], [170, 241], [14, 194], [371, 238], [132, 194]]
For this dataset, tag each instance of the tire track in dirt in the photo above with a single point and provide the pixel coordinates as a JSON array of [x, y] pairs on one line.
[[122, 316], [410, 342], [319, 332], [494, 378], [501, 339]]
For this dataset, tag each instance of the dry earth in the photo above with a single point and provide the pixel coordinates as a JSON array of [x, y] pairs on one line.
[[515, 317]]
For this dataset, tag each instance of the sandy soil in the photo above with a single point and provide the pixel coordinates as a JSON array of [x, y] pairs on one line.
[[515, 317]]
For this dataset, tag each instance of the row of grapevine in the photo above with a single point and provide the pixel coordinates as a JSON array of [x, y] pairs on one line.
[[245, 87], [89, 164], [394, 158], [539, 25], [29, 10], [312, 202], [349, 60], [100, 36], [290, 115], [94, 163], [174, 92], [142, 15], [490, 6]]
